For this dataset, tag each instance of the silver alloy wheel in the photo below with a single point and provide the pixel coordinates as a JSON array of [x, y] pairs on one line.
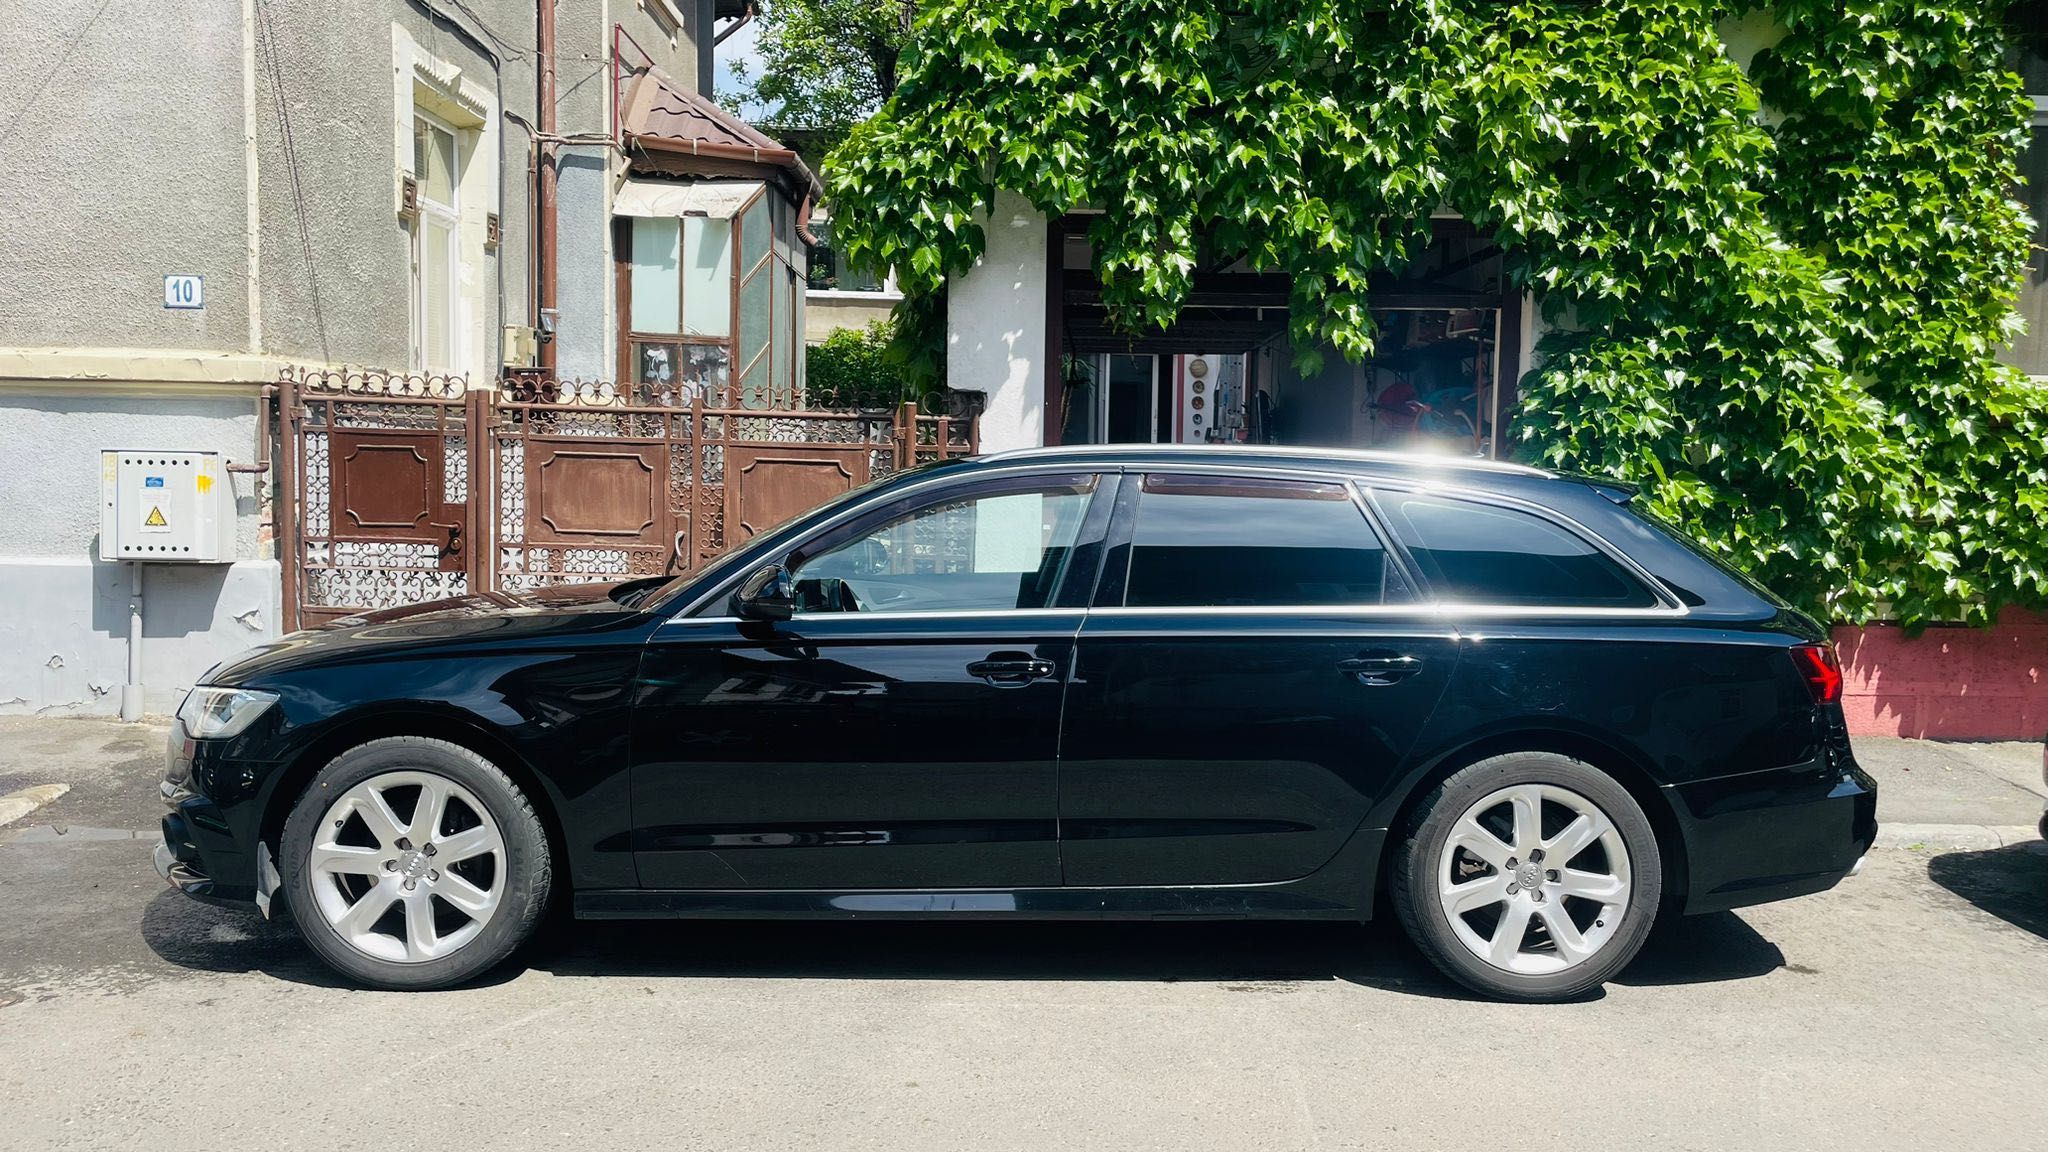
[[441, 865], [1525, 902]]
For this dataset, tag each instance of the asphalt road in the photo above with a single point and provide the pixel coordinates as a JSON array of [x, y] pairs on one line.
[[1906, 1009]]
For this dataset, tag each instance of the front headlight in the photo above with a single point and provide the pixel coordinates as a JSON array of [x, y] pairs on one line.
[[213, 713]]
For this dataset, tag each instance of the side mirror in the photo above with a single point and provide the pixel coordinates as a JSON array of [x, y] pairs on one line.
[[766, 595]]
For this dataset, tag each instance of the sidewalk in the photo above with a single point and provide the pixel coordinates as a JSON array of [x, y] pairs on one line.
[[1946, 794]]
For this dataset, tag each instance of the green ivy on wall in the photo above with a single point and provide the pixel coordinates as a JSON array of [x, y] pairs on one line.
[[1782, 326]]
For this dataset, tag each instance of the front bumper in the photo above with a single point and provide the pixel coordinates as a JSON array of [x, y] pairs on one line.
[[1772, 835], [201, 853]]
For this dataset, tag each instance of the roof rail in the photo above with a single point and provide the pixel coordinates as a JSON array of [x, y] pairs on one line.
[[1362, 455]]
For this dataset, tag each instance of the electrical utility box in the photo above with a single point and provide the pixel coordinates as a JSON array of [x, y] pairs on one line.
[[166, 507]]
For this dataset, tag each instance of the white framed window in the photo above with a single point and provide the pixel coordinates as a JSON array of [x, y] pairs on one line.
[[829, 271], [667, 18], [437, 156]]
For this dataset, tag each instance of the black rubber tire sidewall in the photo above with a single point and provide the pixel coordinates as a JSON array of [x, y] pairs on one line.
[[1413, 885], [526, 865]]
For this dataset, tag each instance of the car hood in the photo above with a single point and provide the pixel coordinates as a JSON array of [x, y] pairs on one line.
[[539, 616]]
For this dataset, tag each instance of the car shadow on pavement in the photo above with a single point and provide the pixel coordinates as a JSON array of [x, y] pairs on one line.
[[1247, 956], [2011, 882], [211, 938], [1242, 954]]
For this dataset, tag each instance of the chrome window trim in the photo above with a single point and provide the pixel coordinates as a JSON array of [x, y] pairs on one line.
[[1359, 455], [878, 617], [1421, 610]]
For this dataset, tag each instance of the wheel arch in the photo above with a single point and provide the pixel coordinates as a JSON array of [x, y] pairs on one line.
[[1622, 764], [361, 727]]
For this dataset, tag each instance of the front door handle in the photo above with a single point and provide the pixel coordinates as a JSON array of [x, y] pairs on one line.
[[1375, 669], [1011, 669]]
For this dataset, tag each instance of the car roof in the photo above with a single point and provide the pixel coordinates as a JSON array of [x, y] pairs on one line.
[[1341, 459]]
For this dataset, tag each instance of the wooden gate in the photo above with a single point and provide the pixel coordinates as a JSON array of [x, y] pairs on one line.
[[405, 489]]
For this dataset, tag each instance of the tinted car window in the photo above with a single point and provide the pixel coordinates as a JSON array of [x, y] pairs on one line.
[[1484, 554], [1203, 541], [994, 552]]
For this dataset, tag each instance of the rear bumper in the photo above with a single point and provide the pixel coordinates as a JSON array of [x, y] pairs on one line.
[[1772, 835]]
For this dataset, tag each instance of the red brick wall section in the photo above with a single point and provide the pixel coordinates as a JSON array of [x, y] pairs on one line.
[[1948, 683]]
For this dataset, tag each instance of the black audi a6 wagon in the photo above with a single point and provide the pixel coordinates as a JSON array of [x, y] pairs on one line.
[[1111, 682]]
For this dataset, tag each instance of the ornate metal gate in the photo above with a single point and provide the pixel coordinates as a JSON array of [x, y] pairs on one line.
[[403, 489]]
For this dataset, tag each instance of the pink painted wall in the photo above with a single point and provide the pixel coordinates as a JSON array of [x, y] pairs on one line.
[[1948, 683]]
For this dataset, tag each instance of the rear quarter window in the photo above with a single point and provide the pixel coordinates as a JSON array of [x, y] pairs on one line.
[[1477, 553]]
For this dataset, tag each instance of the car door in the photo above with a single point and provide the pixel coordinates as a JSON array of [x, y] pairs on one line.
[[1251, 677], [901, 729]]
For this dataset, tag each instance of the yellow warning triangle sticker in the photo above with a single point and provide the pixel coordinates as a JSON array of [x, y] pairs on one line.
[[155, 519]]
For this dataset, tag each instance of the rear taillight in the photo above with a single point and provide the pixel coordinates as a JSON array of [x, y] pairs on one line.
[[1821, 671]]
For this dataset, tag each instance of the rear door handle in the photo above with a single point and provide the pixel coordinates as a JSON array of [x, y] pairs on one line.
[[1011, 669], [1379, 668]]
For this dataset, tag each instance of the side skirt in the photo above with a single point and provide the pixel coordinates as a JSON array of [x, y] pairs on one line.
[[1281, 902], [1340, 890]]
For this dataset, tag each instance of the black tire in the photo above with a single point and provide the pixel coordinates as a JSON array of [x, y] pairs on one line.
[[527, 876], [1413, 885]]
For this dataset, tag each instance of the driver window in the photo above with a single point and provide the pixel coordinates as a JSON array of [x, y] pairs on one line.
[[987, 553]]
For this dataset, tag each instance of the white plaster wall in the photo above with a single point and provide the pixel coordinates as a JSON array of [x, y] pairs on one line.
[[995, 327], [64, 630], [63, 613], [585, 341]]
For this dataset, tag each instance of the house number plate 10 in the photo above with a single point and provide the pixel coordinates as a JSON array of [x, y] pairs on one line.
[[184, 291]]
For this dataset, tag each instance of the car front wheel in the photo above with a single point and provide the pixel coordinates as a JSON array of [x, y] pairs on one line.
[[1529, 876], [412, 864]]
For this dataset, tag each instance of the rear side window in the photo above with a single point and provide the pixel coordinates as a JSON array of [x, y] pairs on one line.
[[1485, 554], [1210, 541]]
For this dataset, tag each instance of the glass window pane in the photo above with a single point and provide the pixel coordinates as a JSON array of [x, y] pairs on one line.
[[655, 286], [798, 344], [436, 306], [754, 235], [433, 161], [1206, 541], [706, 367], [992, 553], [1482, 554], [2029, 353], [782, 226], [656, 363], [707, 276], [754, 317], [753, 390], [779, 352], [828, 269], [690, 369]]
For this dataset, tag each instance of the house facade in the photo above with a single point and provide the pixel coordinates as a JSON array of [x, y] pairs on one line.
[[206, 197], [1025, 327]]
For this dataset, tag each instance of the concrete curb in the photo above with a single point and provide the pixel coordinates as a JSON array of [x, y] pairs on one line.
[[15, 805], [1932, 836]]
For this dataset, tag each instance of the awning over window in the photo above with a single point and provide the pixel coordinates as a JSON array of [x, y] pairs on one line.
[[678, 130], [717, 199]]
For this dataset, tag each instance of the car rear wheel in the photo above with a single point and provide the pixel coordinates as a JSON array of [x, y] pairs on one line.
[[1529, 876], [412, 863]]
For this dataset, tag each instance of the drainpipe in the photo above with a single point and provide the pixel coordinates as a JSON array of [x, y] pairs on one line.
[[746, 17], [544, 182], [131, 692]]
